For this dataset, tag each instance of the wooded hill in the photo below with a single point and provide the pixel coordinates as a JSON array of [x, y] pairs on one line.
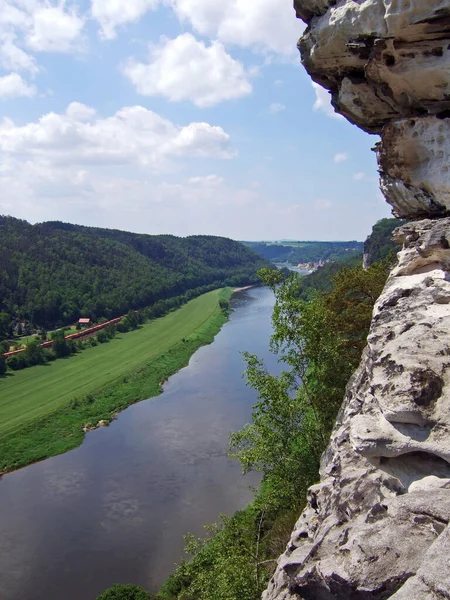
[[305, 252], [53, 273]]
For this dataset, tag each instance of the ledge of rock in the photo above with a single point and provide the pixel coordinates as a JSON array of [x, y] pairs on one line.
[[377, 524], [387, 66]]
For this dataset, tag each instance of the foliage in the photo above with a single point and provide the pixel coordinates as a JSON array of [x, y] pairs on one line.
[[125, 592], [379, 245], [2, 366], [54, 273], [320, 342], [321, 280]]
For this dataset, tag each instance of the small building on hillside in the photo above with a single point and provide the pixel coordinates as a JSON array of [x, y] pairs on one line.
[[84, 322]]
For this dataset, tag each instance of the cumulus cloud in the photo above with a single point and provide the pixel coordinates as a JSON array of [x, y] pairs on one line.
[[12, 57], [54, 29], [110, 14], [37, 26], [246, 23], [340, 157], [359, 176], [276, 107], [133, 135], [13, 86], [323, 102], [187, 69]]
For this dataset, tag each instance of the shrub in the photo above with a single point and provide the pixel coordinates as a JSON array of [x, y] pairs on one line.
[[17, 362], [125, 592], [102, 338]]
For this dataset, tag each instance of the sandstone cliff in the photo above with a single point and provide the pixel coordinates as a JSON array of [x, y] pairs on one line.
[[377, 524]]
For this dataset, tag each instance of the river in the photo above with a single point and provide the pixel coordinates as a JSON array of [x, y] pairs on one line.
[[115, 509]]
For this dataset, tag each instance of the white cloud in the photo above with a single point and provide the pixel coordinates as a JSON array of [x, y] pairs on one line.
[[276, 107], [278, 82], [359, 176], [112, 13], [14, 58], [208, 180], [13, 86], [132, 136], [340, 157], [80, 112], [187, 69], [323, 102], [37, 25], [54, 29], [261, 25]]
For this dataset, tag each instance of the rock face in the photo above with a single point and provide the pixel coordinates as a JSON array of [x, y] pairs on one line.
[[387, 65], [377, 524], [381, 511]]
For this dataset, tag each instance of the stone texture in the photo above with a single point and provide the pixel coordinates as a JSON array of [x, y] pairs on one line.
[[377, 524], [381, 511], [387, 66]]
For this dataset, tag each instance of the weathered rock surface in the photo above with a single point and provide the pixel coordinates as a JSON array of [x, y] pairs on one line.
[[387, 65], [377, 524]]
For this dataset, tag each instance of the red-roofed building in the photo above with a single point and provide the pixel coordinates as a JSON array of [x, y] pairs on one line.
[[84, 321]]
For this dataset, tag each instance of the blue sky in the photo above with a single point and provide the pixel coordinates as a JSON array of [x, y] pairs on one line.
[[175, 116]]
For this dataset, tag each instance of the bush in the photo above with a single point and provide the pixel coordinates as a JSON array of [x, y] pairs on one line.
[[125, 592], [102, 338], [17, 362], [2, 365]]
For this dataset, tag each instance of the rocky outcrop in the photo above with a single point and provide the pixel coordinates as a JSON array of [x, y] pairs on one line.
[[383, 503], [387, 65], [377, 524]]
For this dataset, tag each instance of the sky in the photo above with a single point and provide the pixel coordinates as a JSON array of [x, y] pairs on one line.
[[175, 116]]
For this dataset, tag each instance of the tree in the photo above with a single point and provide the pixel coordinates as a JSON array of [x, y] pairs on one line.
[[34, 353], [320, 341], [5, 326], [60, 346], [125, 592], [2, 365]]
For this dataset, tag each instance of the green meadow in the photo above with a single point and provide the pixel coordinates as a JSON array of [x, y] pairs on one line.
[[45, 409]]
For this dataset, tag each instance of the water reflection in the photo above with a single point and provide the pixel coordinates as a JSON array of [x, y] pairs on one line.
[[115, 509]]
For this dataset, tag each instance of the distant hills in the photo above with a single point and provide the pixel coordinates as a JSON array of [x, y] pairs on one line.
[[296, 253], [54, 273]]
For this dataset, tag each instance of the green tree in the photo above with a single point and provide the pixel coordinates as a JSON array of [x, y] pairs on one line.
[[125, 592], [34, 353], [5, 326], [60, 345], [2, 365]]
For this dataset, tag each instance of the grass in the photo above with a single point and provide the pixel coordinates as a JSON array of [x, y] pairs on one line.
[[43, 409]]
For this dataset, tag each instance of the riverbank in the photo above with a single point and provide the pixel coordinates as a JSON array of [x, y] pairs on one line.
[[243, 289], [45, 410]]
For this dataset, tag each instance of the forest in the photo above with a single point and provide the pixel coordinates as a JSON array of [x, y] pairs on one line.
[[54, 273], [296, 253]]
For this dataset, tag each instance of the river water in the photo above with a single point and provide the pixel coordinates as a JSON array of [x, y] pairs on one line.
[[115, 509]]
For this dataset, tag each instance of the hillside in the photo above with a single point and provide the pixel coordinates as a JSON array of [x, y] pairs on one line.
[[53, 273], [296, 253]]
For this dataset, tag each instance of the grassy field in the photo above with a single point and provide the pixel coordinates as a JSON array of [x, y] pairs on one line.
[[43, 409]]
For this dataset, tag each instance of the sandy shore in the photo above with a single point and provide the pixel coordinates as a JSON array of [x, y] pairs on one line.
[[242, 289]]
